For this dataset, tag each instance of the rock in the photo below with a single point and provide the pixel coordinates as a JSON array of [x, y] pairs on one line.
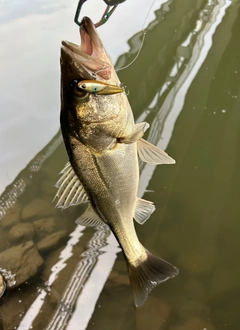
[[224, 281], [194, 323], [194, 262], [154, 314], [227, 314], [14, 306], [44, 226], [52, 241], [21, 232], [118, 279], [47, 187], [12, 216], [22, 260], [189, 308], [50, 260], [2, 286], [195, 290], [3, 241], [38, 207]]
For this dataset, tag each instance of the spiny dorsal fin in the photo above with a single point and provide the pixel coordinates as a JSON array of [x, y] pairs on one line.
[[152, 154], [70, 190], [136, 135], [143, 210], [89, 218]]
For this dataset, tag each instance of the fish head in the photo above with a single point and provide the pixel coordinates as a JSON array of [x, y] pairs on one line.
[[88, 114], [90, 61]]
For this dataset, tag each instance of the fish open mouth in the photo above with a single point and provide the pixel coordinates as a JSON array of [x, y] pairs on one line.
[[91, 54]]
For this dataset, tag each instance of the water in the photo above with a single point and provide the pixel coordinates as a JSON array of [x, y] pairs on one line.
[[185, 83]]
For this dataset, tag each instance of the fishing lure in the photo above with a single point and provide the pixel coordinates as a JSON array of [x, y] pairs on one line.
[[99, 87]]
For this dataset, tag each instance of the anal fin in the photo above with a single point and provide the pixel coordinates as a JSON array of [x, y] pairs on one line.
[[89, 218], [143, 210]]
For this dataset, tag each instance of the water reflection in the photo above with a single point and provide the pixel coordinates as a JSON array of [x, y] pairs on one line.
[[190, 55], [189, 91], [26, 177]]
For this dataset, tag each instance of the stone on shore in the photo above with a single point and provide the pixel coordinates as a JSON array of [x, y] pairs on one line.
[[4, 244], [44, 226], [22, 232], [38, 207], [194, 262], [118, 279], [22, 260], [194, 323], [224, 281], [47, 188], [154, 314], [52, 241], [12, 216]]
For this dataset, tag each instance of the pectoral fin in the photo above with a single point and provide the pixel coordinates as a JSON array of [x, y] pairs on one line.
[[70, 190], [152, 154], [89, 218], [143, 210], [136, 135]]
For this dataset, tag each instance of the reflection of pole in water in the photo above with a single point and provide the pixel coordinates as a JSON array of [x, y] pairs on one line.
[[80, 278], [136, 41], [162, 127]]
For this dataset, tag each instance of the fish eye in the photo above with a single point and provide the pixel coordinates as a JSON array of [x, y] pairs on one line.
[[83, 86], [77, 90]]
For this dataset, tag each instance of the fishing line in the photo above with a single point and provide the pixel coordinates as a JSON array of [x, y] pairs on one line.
[[142, 42]]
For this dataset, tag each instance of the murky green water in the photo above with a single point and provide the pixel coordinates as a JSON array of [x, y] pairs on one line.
[[186, 84]]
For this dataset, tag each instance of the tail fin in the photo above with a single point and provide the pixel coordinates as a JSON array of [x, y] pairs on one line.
[[147, 275]]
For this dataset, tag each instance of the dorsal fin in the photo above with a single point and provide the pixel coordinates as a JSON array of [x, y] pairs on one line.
[[70, 190], [143, 210]]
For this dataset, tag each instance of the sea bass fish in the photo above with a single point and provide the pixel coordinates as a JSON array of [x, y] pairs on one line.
[[103, 144]]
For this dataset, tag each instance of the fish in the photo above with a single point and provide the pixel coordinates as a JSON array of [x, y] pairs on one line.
[[99, 87], [103, 143]]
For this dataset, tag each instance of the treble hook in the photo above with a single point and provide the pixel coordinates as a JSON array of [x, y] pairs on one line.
[[107, 13]]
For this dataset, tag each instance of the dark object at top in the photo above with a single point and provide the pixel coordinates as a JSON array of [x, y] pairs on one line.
[[113, 2], [111, 6]]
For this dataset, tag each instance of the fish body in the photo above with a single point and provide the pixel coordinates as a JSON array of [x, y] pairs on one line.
[[103, 143]]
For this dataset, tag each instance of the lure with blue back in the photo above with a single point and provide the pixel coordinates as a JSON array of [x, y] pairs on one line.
[[99, 87]]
